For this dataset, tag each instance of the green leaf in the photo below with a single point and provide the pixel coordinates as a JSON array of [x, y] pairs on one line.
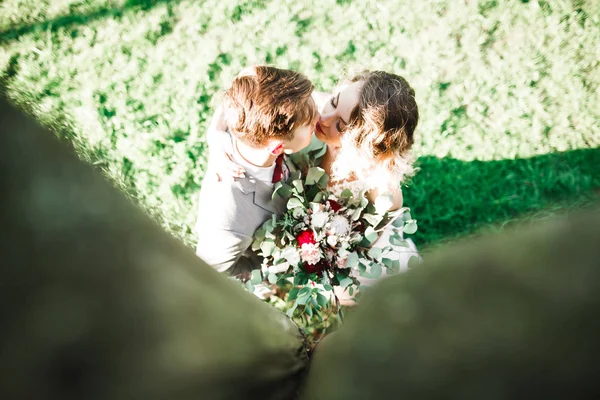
[[356, 214], [375, 252], [346, 194], [293, 294], [322, 300], [345, 282], [300, 279], [294, 202], [324, 181], [318, 197], [308, 310], [298, 185], [396, 239], [411, 226], [402, 213], [272, 278], [352, 261], [267, 248], [393, 266], [295, 175], [370, 236], [282, 189], [303, 298], [314, 175], [375, 270], [327, 287], [372, 219], [256, 277]]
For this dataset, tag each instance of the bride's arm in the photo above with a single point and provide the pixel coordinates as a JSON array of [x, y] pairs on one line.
[[396, 198]]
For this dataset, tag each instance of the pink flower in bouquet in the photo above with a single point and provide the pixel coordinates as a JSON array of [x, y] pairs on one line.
[[310, 253], [306, 237]]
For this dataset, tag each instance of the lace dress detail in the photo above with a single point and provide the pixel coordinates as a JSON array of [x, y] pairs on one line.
[[354, 186]]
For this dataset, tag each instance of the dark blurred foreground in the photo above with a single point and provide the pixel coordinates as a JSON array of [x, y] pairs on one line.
[[97, 302]]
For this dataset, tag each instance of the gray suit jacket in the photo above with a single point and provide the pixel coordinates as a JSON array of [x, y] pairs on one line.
[[228, 215]]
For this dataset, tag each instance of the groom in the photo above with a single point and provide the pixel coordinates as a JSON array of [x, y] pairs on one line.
[[268, 112]]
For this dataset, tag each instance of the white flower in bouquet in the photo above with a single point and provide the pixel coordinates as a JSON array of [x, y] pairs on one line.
[[332, 240], [339, 225], [310, 253], [291, 255], [319, 219]]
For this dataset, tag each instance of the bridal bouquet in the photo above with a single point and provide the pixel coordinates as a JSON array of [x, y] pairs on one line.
[[321, 242]]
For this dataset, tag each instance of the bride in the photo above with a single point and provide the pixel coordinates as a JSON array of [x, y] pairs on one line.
[[366, 129], [362, 140]]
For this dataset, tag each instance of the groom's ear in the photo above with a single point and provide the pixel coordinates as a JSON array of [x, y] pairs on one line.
[[276, 147]]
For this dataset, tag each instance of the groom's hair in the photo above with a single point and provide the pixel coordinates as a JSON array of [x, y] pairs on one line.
[[268, 103]]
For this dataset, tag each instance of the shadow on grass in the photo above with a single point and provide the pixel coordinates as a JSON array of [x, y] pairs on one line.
[[452, 198], [81, 19]]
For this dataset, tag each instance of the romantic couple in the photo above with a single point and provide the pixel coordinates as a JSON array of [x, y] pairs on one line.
[[270, 123]]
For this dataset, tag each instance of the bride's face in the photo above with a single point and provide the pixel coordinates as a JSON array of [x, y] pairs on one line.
[[335, 115]]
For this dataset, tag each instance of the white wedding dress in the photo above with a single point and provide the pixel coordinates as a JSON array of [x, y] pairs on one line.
[[406, 254]]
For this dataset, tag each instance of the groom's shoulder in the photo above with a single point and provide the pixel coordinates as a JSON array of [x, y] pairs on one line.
[[227, 194]]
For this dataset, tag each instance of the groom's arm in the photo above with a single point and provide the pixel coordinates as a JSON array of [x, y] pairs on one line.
[[223, 250], [223, 229]]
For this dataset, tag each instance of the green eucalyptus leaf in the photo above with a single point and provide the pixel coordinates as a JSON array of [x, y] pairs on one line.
[[375, 270], [256, 277], [314, 175], [352, 260], [399, 221], [322, 300], [298, 185], [346, 194], [370, 236], [267, 248], [318, 197], [282, 189], [294, 202], [272, 278], [324, 181], [356, 214], [293, 294], [410, 227], [309, 310], [345, 282], [375, 252], [372, 219]]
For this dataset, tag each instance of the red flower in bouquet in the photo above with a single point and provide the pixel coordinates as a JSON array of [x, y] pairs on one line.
[[306, 237], [317, 268], [334, 205]]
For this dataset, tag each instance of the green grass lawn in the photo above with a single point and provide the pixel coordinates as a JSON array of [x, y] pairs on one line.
[[508, 92]]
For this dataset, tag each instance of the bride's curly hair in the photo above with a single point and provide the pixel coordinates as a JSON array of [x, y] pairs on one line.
[[376, 143]]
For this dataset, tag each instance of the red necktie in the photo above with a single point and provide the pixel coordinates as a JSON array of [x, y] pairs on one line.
[[278, 171]]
